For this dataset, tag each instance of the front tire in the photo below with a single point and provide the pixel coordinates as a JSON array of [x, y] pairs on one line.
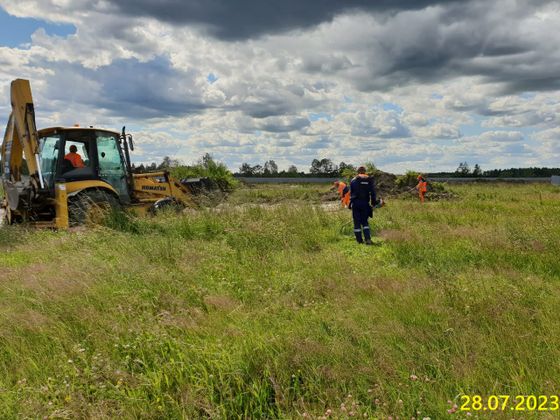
[[91, 207]]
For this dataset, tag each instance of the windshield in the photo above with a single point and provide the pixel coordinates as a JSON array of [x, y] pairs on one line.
[[49, 156], [111, 168]]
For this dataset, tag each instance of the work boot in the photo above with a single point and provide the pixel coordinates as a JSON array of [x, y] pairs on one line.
[[359, 237], [368, 242]]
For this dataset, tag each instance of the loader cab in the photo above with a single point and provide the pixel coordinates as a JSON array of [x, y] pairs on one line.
[[83, 154]]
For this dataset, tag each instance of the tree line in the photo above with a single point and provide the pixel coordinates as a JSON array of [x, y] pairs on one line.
[[318, 168], [464, 170], [328, 169]]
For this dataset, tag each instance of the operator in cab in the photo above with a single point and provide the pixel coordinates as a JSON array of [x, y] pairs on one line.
[[74, 157]]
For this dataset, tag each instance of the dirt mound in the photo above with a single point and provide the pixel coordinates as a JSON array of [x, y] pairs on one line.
[[208, 192], [386, 184]]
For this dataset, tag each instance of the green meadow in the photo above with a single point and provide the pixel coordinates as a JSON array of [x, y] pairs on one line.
[[265, 307]]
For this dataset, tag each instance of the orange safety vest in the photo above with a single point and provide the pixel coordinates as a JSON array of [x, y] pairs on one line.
[[341, 186], [75, 159], [344, 198], [422, 186]]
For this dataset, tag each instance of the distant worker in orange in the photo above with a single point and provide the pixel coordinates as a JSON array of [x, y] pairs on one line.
[[74, 157], [422, 187], [343, 192]]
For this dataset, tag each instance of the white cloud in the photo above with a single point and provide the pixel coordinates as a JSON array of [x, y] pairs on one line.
[[447, 74]]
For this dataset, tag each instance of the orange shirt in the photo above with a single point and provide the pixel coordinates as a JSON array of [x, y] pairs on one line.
[[75, 159], [341, 186], [422, 186]]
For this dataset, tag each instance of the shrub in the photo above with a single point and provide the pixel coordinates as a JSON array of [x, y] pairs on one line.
[[410, 179], [349, 173], [207, 167]]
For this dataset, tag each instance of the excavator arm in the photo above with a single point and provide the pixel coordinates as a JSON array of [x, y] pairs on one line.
[[21, 147]]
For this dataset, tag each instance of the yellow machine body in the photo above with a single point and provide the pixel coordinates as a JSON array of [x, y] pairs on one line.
[[40, 189]]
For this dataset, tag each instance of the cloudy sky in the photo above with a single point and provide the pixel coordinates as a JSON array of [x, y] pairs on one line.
[[407, 84]]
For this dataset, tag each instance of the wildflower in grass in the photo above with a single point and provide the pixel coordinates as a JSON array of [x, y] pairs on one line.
[[453, 409]]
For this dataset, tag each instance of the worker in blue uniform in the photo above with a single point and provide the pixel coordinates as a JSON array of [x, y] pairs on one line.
[[362, 201]]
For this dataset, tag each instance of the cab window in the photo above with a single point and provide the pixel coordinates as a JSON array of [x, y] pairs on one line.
[[111, 167], [49, 156]]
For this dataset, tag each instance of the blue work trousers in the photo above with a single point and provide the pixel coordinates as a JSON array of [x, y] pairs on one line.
[[361, 211]]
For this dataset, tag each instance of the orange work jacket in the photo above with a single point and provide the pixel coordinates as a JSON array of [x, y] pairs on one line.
[[344, 198], [75, 159], [341, 186], [422, 186]]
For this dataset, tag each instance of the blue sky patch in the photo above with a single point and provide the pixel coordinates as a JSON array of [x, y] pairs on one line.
[[389, 106], [528, 95], [17, 31], [211, 78], [315, 116]]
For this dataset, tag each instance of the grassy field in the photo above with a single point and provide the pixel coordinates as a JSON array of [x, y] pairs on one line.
[[274, 311]]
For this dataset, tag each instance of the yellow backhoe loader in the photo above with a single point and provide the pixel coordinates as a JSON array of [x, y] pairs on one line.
[[57, 177]]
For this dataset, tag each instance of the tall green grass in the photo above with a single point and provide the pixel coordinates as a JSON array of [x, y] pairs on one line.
[[274, 312]]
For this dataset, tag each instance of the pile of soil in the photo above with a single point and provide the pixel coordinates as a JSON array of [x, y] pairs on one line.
[[208, 192]]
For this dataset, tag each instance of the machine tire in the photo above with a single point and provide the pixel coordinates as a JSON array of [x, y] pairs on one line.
[[167, 203], [91, 206]]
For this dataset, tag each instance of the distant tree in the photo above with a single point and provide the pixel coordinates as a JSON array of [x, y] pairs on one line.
[[270, 168], [463, 169], [246, 170], [167, 163], [323, 167], [258, 170], [315, 167], [476, 170], [292, 170], [345, 167], [207, 161], [152, 166]]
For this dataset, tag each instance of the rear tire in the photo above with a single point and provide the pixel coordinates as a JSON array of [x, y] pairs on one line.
[[91, 207], [166, 204]]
